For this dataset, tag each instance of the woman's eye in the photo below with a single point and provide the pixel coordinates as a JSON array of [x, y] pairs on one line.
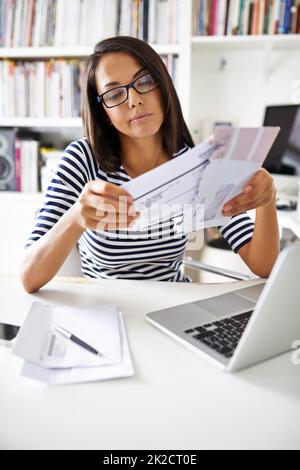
[[146, 80], [115, 95]]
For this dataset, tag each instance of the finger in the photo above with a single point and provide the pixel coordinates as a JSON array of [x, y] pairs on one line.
[[108, 224], [237, 202], [251, 197], [101, 203], [110, 190], [116, 208], [247, 207], [113, 216], [262, 175]]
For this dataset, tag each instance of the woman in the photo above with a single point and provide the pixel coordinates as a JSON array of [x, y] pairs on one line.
[[133, 123]]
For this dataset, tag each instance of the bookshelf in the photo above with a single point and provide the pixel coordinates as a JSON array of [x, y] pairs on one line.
[[276, 41], [219, 78]]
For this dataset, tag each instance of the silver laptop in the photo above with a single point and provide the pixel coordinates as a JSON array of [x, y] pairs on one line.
[[243, 327]]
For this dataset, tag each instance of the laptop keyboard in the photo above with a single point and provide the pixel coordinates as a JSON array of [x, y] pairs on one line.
[[222, 335]]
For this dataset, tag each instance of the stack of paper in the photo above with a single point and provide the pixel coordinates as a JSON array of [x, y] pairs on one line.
[[52, 358]]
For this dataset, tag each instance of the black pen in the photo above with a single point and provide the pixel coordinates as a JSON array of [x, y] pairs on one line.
[[76, 340]]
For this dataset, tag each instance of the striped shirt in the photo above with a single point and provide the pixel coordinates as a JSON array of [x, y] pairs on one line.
[[121, 254]]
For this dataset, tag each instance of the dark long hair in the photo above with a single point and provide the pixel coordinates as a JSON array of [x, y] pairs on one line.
[[102, 136]]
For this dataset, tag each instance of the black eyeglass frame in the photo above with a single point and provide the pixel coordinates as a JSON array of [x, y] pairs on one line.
[[127, 87]]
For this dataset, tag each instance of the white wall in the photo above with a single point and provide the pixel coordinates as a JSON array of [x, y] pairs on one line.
[[17, 214], [251, 79], [17, 211]]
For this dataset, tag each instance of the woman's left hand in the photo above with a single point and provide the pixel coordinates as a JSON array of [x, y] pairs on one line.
[[258, 192]]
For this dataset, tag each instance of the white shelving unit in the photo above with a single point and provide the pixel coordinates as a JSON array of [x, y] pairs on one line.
[[278, 41], [47, 123]]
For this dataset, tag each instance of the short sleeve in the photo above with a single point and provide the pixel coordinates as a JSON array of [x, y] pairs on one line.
[[68, 180], [238, 231]]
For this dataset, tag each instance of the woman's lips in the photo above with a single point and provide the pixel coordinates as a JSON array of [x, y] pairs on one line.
[[140, 118]]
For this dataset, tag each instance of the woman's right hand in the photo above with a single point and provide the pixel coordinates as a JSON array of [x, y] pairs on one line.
[[105, 206]]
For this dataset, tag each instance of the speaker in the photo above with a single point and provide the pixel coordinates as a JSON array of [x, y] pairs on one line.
[[8, 176]]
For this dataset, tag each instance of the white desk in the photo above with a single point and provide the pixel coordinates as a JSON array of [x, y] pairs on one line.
[[176, 399]]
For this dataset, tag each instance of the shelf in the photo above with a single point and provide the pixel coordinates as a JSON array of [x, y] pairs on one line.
[[72, 52], [42, 122], [43, 52], [277, 41], [17, 196]]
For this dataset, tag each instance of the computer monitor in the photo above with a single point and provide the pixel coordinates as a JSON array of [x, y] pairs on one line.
[[284, 156]]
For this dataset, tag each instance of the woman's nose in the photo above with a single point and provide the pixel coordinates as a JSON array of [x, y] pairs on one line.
[[134, 97]]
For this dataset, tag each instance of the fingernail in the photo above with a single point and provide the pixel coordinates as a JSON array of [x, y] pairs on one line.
[[247, 189]]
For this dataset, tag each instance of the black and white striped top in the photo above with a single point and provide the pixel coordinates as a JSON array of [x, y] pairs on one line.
[[121, 254]]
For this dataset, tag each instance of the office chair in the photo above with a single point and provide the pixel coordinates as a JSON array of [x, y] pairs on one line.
[[189, 262], [214, 239]]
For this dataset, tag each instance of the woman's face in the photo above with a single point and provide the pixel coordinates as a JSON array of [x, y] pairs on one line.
[[122, 68]]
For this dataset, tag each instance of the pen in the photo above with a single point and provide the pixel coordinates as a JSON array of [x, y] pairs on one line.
[[76, 340]]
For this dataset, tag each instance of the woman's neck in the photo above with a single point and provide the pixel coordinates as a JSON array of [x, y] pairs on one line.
[[140, 156]]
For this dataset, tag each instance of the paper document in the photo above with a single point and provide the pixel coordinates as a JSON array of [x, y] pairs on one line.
[[84, 374], [193, 187], [52, 358], [40, 344]]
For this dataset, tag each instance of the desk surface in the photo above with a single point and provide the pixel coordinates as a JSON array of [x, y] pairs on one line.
[[176, 400]]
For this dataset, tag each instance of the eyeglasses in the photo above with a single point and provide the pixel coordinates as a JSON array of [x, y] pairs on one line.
[[119, 95]]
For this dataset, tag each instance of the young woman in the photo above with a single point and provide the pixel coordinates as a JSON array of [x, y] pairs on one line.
[[133, 123]]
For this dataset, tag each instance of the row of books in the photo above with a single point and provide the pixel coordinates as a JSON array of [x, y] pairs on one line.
[[48, 89], [20, 161], [49, 157], [74, 23], [26, 164], [245, 17], [171, 63], [40, 88], [153, 21]]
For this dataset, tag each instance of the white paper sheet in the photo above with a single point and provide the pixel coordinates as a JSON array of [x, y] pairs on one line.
[[196, 184], [85, 374], [39, 344]]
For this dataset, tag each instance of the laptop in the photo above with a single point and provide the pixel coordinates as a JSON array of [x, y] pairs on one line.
[[244, 327]]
